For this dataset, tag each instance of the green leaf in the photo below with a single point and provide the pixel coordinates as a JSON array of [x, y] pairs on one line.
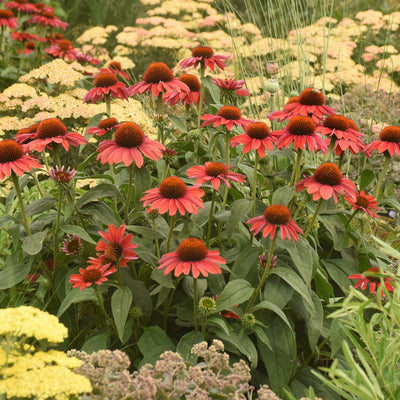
[[79, 231], [187, 286], [121, 301], [235, 292], [278, 291], [336, 271], [34, 243], [281, 361], [386, 248], [163, 280], [245, 262], [334, 226], [262, 335], [218, 321], [367, 176], [76, 296], [94, 121], [153, 343], [283, 195], [185, 345], [322, 285], [147, 233], [40, 206], [239, 210], [142, 182], [267, 305], [96, 343], [10, 275], [98, 192], [295, 282], [177, 123], [212, 88], [302, 256]]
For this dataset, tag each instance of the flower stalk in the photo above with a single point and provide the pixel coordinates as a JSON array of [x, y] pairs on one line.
[[15, 180]]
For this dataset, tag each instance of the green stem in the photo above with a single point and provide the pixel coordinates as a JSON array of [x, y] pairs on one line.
[[202, 70], [351, 217], [330, 149], [56, 152], [157, 244], [311, 223], [341, 158], [382, 176], [255, 184], [300, 207], [210, 219], [128, 196], [14, 177], [264, 277], [160, 135], [171, 230], [108, 105], [227, 148], [195, 304], [121, 281], [57, 228], [37, 183], [103, 310], [296, 169]]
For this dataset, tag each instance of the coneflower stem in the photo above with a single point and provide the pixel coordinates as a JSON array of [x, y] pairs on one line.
[[108, 105], [255, 184], [156, 240], [210, 219], [382, 177], [121, 281], [296, 168], [14, 177], [227, 147], [311, 223], [264, 276], [195, 304], [56, 152], [103, 310], [202, 70], [128, 196], [57, 228], [351, 217], [160, 135], [330, 148], [171, 230]]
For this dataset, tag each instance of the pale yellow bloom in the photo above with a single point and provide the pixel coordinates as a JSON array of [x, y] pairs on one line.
[[19, 90], [31, 322]]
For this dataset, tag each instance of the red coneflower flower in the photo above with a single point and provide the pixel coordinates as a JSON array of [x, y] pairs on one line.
[[24, 36], [232, 86], [157, 79], [214, 172], [62, 175], [172, 196], [92, 274], [372, 277], [48, 18], [128, 145], [53, 38], [193, 96], [204, 55], [8, 19], [389, 140], [104, 126], [192, 254], [115, 67], [52, 130], [71, 245], [25, 135], [87, 58], [41, 7], [326, 182], [62, 49], [301, 131], [257, 137], [364, 202], [275, 216], [338, 128], [310, 104], [117, 247], [14, 159], [229, 116], [21, 5], [106, 83], [29, 47]]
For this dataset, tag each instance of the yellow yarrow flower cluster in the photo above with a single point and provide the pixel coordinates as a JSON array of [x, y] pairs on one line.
[[31, 322]]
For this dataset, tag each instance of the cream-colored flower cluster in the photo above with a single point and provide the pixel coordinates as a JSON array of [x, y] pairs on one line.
[[97, 35], [56, 72]]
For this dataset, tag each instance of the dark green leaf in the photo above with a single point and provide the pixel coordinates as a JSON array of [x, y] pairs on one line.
[[267, 305], [147, 233], [262, 335], [367, 176], [335, 227], [34, 243], [76, 296], [10, 275], [142, 181], [121, 301], [79, 231], [40, 206], [98, 192], [185, 345], [96, 343], [245, 262], [163, 280], [219, 322], [178, 123], [212, 88], [283, 195], [153, 343], [235, 292], [239, 210]]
